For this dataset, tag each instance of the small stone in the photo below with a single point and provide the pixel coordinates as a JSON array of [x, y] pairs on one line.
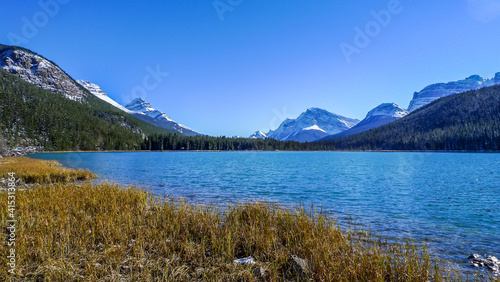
[[247, 260], [474, 256], [302, 263], [259, 272]]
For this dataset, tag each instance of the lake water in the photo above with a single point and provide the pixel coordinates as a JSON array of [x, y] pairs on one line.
[[450, 201]]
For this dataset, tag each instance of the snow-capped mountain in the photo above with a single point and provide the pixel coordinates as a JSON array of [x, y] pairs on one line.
[[141, 106], [258, 135], [439, 90], [97, 91], [311, 125], [140, 109], [145, 111], [380, 115], [39, 71]]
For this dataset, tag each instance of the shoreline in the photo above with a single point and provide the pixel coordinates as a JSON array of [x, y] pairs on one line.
[[355, 151]]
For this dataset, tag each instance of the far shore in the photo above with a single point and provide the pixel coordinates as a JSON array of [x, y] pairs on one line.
[[376, 151]]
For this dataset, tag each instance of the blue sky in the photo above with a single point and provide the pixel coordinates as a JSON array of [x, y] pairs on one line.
[[237, 66]]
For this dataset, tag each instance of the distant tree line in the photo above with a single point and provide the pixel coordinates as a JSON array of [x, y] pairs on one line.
[[159, 142]]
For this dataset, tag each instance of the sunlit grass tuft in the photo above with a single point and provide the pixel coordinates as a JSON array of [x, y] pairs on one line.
[[39, 171]]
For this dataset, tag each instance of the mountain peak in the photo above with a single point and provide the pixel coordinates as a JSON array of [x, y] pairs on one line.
[[475, 77], [139, 105], [378, 116], [258, 135], [389, 110], [311, 125]]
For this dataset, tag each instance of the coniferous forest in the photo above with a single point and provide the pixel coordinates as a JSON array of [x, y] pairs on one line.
[[31, 116]]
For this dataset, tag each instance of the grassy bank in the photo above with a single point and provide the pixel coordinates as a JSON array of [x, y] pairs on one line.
[[32, 171], [105, 232]]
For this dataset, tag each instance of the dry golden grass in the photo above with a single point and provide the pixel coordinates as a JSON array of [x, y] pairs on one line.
[[107, 233], [40, 171]]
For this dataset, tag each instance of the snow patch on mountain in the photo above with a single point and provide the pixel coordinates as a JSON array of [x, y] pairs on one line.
[[314, 127]]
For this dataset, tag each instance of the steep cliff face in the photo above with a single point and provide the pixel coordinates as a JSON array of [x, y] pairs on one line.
[[439, 90], [39, 71]]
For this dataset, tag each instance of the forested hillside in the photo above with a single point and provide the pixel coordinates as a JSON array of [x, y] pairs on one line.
[[32, 116], [466, 121]]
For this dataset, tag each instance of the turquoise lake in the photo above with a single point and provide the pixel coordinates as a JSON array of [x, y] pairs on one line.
[[450, 201]]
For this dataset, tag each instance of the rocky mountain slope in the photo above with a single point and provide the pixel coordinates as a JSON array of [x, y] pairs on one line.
[[39, 71], [380, 115], [439, 90], [313, 124]]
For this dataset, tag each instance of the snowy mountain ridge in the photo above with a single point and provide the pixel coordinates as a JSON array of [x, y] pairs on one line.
[[140, 107], [311, 125], [439, 90], [99, 93]]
